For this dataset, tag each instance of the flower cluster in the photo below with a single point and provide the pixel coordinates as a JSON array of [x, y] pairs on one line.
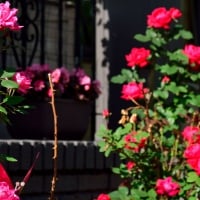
[[8, 17], [75, 84], [158, 137], [8, 23]]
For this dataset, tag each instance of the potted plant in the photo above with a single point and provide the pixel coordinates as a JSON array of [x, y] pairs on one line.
[[75, 92], [158, 136]]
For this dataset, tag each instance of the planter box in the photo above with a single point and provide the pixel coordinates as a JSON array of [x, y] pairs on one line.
[[73, 119]]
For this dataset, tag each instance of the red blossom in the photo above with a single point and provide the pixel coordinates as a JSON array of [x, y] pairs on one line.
[[191, 134], [192, 154], [106, 113], [161, 17], [193, 54], [167, 187], [103, 197], [138, 57], [130, 165], [134, 144]]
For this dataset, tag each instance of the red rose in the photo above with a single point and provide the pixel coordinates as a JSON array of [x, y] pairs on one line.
[[167, 187], [193, 54], [165, 79], [138, 56], [133, 90], [134, 144], [130, 165], [189, 133], [192, 154], [161, 17], [103, 197], [175, 13]]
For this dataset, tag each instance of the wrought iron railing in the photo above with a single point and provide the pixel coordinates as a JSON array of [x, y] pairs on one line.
[[51, 31]]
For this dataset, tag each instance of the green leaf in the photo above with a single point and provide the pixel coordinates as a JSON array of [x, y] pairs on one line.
[[194, 100], [7, 158], [138, 193], [192, 177], [168, 70], [3, 110], [118, 79], [187, 35], [9, 84], [7, 74], [152, 194], [13, 100], [141, 38]]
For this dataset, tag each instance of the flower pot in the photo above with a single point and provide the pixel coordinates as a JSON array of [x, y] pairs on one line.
[[73, 120]]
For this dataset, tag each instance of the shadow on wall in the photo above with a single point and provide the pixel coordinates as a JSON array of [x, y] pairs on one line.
[[124, 21]]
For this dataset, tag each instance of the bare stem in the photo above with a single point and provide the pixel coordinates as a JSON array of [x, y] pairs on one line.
[[55, 144]]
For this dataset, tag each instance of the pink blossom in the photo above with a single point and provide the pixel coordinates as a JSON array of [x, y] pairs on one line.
[[49, 92], [133, 90], [55, 75], [6, 193], [85, 80], [39, 85], [8, 18], [165, 79], [23, 81], [167, 187], [138, 57]]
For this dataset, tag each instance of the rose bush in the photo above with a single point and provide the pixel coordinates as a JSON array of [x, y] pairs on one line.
[[158, 137]]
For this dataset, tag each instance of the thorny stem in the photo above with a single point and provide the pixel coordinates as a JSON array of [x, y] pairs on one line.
[[55, 144]]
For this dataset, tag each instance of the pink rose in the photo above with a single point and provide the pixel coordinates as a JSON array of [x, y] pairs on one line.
[[6, 193], [39, 85], [193, 54], [161, 17], [130, 165], [23, 81], [8, 17], [138, 56], [55, 75], [85, 80], [192, 154], [167, 187], [103, 197], [189, 133], [133, 90]]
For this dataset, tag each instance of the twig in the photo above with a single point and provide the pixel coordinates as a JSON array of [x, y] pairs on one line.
[[55, 144]]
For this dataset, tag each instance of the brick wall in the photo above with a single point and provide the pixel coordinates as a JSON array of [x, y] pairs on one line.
[[83, 172]]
